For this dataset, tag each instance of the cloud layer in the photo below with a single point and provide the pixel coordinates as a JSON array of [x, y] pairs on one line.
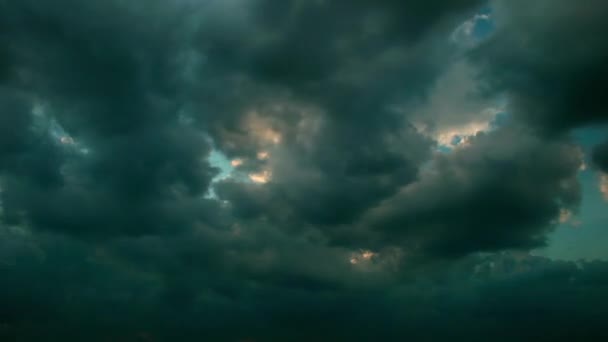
[[390, 172]]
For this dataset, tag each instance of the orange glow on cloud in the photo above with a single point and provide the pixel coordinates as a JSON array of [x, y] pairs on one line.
[[260, 177], [604, 185]]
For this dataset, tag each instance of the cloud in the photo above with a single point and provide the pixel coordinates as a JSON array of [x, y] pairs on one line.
[[455, 105], [337, 219], [465, 34], [600, 156], [603, 185], [552, 83], [108, 85], [501, 192], [471, 299]]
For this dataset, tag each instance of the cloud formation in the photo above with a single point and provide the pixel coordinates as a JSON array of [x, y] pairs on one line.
[[549, 59], [342, 216]]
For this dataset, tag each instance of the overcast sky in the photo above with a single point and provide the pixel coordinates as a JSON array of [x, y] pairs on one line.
[[303, 170]]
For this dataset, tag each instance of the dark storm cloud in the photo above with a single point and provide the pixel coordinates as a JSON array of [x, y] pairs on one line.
[[107, 74], [600, 156], [108, 113], [113, 76], [350, 68], [15, 123], [349, 71], [121, 90], [58, 289], [549, 58], [303, 44], [335, 188], [502, 191]]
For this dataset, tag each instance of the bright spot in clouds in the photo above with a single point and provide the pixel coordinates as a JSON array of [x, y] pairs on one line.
[[262, 177], [455, 136], [604, 185], [362, 256], [565, 215], [67, 140], [262, 129], [472, 31], [263, 155], [583, 166]]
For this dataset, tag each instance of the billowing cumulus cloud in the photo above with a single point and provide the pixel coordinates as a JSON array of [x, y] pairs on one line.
[[387, 172], [549, 59], [514, 185]]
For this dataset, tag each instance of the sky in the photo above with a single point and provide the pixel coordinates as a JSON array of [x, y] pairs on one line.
[[303, 170]]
